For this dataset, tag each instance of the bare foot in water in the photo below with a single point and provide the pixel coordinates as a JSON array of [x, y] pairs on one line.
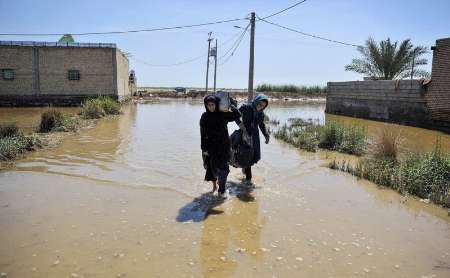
[[214, 187]]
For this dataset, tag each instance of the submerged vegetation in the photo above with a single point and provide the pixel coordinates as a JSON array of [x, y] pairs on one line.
[[94, 108], [426, 176], [289, 88], [13, 143], [331, 136]]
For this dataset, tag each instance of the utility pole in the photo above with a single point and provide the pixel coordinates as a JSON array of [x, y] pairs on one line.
[[252, 57], [215, 67], [207, 61]]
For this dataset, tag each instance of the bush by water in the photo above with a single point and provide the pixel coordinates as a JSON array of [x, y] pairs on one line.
[[13, 143], [95, 108]]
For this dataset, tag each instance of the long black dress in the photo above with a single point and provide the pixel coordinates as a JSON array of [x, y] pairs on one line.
[[214, 137]]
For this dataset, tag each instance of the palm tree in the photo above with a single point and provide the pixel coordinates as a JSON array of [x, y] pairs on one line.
[[67, 38], [387, 61]]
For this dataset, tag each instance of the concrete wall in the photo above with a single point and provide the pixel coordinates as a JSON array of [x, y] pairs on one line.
[[438, 95], [391, 101], [123, 91], [41, 74]]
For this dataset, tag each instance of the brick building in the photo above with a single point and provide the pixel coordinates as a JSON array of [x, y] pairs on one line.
[[39, 73], [438, 93]]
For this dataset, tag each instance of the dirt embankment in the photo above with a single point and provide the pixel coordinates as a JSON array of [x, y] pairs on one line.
[[238, 94]]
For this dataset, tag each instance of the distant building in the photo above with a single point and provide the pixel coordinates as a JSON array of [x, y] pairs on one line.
[[39, 73]]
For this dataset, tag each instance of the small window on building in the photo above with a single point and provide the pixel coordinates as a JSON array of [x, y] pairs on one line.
[[73, 75], [8, 74]]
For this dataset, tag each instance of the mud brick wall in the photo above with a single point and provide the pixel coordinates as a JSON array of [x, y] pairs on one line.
[[438, 95]]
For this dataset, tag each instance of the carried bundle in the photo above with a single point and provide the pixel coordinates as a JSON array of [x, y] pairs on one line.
[[241, 149]]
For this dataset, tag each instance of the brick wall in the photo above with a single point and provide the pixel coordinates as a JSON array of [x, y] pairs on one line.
[[438, 95], [41, 74], [21, 60], [95, 66]]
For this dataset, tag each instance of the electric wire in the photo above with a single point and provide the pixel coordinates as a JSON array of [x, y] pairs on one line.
[[283, 10], [310, 35], [190, 60], [236, 42], [235, 48], [127, 31]]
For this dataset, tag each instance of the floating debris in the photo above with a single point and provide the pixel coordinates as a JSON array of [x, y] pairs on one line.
[[55, 263], [300, 259]]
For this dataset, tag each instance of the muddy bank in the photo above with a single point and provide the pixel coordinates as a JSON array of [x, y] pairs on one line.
[[237, 94], [126, 199]]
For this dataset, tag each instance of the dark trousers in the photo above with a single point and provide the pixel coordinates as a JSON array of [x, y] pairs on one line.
[[248, 173]]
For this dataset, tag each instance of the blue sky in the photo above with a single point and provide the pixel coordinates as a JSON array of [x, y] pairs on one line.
[[280, 56]]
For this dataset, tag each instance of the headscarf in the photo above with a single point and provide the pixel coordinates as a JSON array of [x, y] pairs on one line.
[[211, 98], [258, 99]]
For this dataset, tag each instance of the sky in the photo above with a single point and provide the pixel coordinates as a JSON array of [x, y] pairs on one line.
[[281, 56]]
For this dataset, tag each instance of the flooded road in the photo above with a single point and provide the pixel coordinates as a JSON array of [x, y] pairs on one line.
[[127, 199]]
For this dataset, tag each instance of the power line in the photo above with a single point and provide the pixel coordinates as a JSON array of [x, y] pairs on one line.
[[236, 47], [184, 61], [124, 32], [309, 35], [235, 42], [283, 10]]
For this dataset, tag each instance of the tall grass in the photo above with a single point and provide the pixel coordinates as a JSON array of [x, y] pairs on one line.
[[94, 108], [426, 176], [387, 143], [289, 88], [54, 120]]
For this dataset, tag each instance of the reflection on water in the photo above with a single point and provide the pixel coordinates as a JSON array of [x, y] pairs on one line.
[[127, 199], [28, 118], [414, 139]]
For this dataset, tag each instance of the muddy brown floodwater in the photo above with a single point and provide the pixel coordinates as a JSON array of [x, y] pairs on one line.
[[126, 199]]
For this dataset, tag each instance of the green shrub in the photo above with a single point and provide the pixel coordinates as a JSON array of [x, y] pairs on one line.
[[426, 176], [12, 147], [8, 130], [351, 140], [330, 137]]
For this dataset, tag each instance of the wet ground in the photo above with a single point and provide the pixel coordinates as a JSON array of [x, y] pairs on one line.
[[126, 199]]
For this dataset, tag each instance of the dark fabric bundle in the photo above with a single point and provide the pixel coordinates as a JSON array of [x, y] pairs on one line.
[[242, 151]]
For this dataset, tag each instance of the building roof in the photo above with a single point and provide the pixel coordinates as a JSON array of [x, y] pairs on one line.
[[58, 44]]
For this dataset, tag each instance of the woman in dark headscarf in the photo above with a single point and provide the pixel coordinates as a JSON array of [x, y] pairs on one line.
[[252, 119], [215, 142]]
